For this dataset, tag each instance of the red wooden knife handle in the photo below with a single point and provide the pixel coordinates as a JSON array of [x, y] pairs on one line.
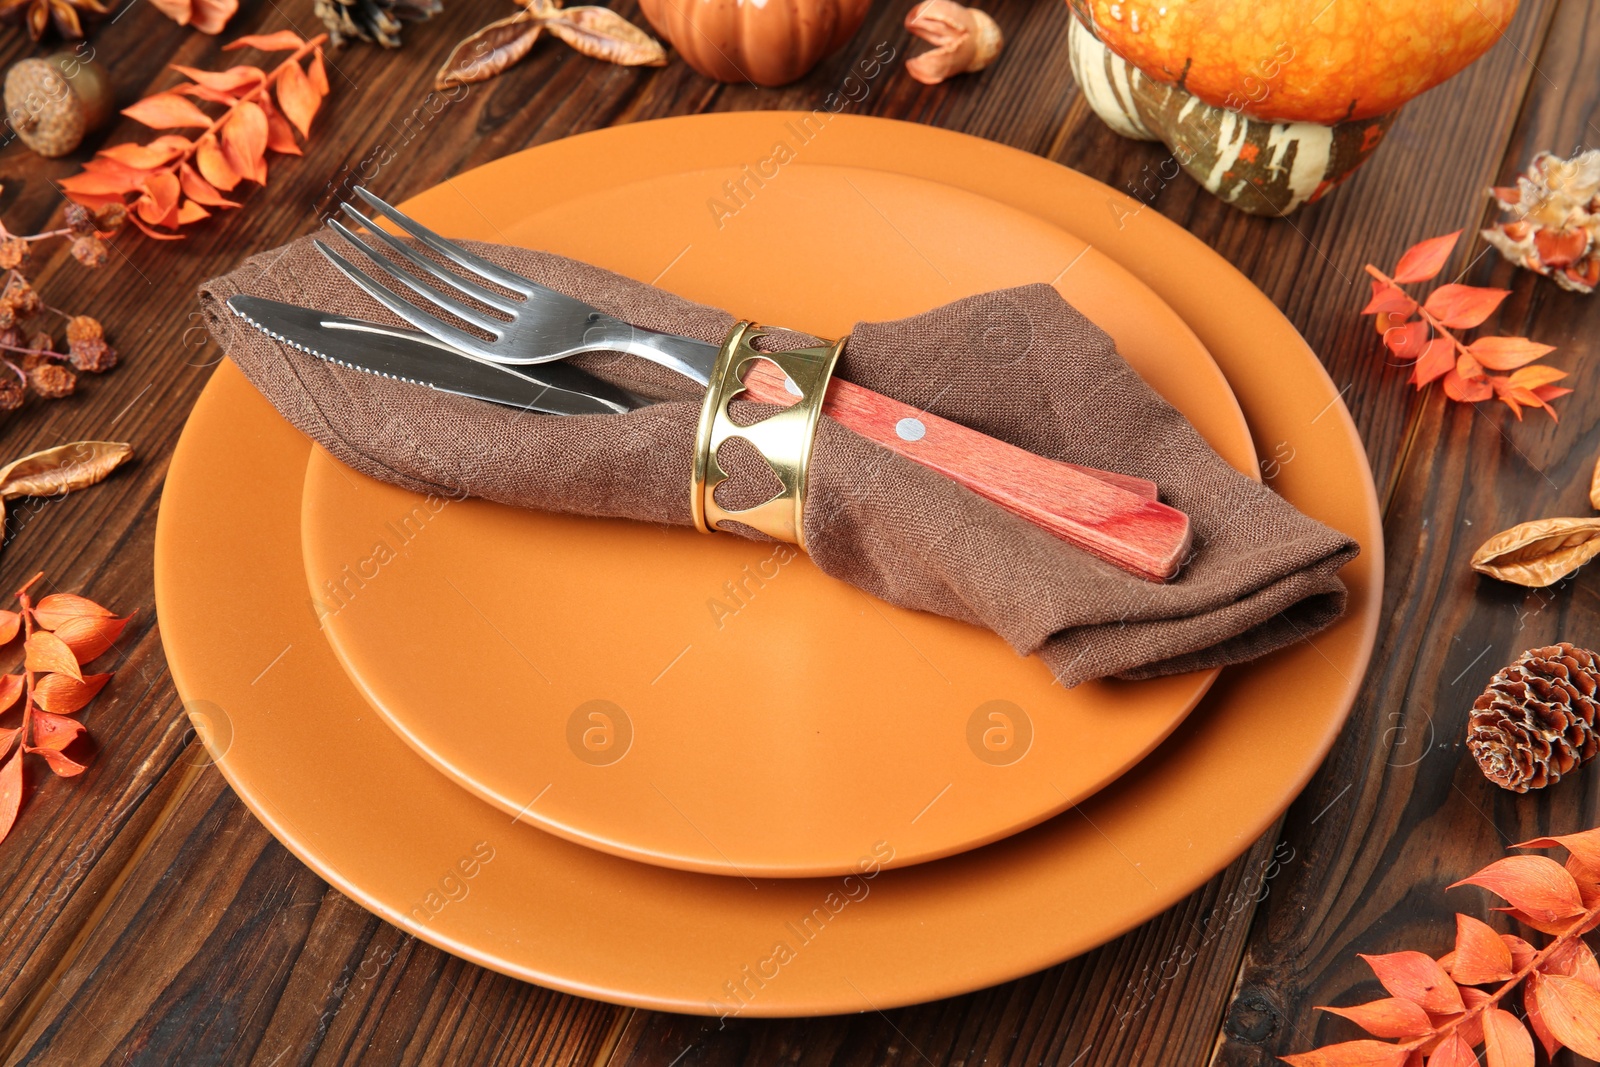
[[1109, 515]]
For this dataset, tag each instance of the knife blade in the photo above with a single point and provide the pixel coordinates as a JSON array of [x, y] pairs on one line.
[[412, 356]]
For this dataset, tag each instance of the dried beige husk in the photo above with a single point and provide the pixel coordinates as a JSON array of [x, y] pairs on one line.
[[596, 32], [62, 469], [1539, 553], [964, 40]]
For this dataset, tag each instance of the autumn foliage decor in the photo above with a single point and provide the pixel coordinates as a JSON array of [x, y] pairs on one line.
[[1439, 1010], [60, 633], [176, 180], [1424, 334]]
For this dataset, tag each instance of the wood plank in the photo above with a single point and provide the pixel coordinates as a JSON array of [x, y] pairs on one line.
[[174, 922], [1415, 813]]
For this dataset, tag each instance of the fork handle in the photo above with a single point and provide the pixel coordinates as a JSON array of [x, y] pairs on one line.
[[1114, 517]]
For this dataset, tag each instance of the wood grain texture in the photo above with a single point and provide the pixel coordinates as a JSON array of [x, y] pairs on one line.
[[879, 418], [150, 919], [1126, 527]]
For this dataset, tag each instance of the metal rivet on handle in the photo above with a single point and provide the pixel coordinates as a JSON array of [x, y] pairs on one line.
[[910, 429]]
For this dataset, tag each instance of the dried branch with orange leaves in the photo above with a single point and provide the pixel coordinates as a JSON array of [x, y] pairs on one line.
[[60, 633], [1437, 1012], [175, 180], [1429, 342]]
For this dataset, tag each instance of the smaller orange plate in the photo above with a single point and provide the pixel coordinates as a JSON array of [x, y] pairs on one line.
[[710, 703]]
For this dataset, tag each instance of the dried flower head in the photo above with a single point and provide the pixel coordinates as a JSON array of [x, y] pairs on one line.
[[84, 328], [93, 356], [90, 251], [1555, 228], [11, 394], [79, 219], [52, 381], [19, 296], [13, 253], [111, 217]]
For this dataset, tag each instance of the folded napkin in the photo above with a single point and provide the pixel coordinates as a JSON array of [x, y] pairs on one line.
[[1019, 364]]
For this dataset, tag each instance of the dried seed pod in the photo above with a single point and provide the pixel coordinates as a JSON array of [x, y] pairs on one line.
[[13, 253], [93, 356], [53, 381], [1539, 553], [62, 469], [1536, 720], [79, 219], [90, 251], [964, 40], [11, 395], [84, 328], [111, 217]]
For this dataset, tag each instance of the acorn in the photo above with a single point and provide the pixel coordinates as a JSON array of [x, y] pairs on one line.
[[53, 102]]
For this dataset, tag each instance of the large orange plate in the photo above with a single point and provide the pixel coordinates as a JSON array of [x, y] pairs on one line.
[[712, 703], [310, 758]]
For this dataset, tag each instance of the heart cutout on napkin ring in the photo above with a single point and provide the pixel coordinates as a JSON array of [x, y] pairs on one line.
[[783, 439]]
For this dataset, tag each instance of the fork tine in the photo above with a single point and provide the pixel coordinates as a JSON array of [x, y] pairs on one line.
[[449, 249], [422, 263], [428, 324], [427, 292]]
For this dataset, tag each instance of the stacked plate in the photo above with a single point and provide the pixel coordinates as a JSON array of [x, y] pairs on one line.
[[694, 773]]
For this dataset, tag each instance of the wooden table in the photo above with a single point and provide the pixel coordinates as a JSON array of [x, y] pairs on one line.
[[149, 918]]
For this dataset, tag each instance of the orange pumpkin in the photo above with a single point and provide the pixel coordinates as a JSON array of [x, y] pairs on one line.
[[1323, 61], [768, 42]]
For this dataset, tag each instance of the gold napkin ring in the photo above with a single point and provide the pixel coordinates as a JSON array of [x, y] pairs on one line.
[[783, 440]]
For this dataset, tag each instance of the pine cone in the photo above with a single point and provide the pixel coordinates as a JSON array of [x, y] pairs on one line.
[[1536, 721], [372, 20]]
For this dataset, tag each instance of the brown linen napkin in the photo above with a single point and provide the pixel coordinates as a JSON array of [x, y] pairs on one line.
[[1019, 364]]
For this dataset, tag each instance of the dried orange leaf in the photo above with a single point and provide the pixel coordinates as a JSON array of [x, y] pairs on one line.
[[10, 622], [1388, 300], [489, 51], [1424, 260], [1584, 846], [1407, 341], [1536, 885], [57, 608], [1574, 959], [1351, 1054], [1530, 1001], [1480, 955], [1438, 356], [1417, 977], [167, 111], [10, 791], [282, 41], [297, 98], [56, 732], [1507, 353], [280, 135], [1465, 390], [240, 77], [244, 141], [213, 165], [600, 33], [1571, 1011], [47, 652], [1507, 1042], [66, 696], [11, 686], [64, 766], [1539, 553], [317, 73], [1463, 306], [199, 190], [90, 638], [1391, 1017], [62, 469]]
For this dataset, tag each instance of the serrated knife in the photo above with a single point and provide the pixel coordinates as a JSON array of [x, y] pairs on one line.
[[413, 356]]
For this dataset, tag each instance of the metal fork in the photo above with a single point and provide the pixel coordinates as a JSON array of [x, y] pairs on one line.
[[536, 325]]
